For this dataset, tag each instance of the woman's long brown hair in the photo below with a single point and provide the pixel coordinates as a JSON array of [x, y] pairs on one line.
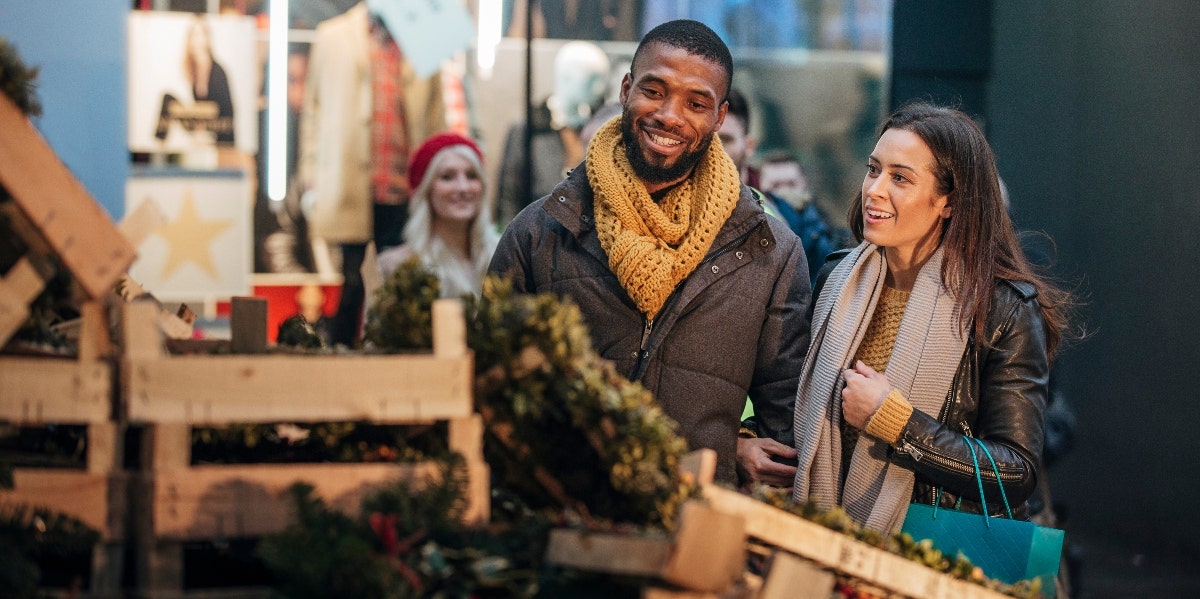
[[979, 241]]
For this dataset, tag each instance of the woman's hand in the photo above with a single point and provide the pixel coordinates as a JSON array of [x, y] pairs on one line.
[[864, 392]]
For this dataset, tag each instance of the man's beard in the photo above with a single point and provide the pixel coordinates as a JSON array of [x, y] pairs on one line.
[[653, 173]]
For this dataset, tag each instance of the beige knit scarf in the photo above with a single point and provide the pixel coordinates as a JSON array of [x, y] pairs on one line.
[[929, 347], [653, 246]]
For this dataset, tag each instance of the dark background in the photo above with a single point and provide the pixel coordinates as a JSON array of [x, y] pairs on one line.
[[1091, 109]]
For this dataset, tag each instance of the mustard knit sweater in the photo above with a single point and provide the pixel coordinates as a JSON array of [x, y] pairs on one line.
[[875, 351]]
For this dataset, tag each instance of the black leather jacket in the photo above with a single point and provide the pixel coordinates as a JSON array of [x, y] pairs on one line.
[[998, 396]]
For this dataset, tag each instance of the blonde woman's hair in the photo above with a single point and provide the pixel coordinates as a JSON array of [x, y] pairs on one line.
[[418, 232]]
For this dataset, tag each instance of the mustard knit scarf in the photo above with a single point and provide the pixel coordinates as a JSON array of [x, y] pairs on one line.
[[653, 246]]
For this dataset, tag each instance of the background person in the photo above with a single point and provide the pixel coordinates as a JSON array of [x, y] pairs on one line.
[[782, 178], [449, 225], [934, 327], [686, 285]]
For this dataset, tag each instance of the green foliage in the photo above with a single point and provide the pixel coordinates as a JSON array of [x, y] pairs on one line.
[[401, 315], [28, 534], [317, 442], [408, 541], [565, 430], [295, 331], [18, 81]]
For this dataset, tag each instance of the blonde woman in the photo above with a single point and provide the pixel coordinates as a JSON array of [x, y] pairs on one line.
[[449, 226]]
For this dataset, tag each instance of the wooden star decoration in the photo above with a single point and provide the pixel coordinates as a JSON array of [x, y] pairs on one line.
[[189, 239]]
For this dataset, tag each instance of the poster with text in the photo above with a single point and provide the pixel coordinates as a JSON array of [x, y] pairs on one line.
[[194, 82]]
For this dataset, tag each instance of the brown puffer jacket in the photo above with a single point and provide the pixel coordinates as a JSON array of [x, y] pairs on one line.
[[736, 326]]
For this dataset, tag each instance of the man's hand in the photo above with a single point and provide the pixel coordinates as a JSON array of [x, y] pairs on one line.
[[755, 463]]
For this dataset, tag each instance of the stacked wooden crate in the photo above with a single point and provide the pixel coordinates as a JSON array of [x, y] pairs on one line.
[[61, 226], [41, 391], [170, 394]]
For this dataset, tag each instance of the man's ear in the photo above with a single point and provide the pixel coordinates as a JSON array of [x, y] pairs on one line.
[[626, 84]]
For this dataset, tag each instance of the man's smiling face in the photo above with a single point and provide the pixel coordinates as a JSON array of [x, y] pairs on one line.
[[674, 101]]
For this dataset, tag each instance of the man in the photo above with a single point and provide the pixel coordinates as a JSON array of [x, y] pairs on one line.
[[687, 285], [782, 178], [740, 145]]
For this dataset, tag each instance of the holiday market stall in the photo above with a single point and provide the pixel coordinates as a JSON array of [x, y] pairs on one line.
[[469, 448]]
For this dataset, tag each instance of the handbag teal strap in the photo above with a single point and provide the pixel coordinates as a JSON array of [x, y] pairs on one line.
[[979, 481], [996, 470]]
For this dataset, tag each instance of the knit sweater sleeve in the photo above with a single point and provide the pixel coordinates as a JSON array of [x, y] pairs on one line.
[[888, 422]]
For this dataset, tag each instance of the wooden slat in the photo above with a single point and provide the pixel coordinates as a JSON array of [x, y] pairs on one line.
[[709, 551], [449, 329], [839, 552], [51, 390], [19, 286], [701, 464], [229, 501], [70, 220], [706, 553], [611, 553], [791, 577], [79, 494], [275, 388]]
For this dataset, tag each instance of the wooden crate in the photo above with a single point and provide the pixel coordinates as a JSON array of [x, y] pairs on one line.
[[76, 391], [178, 502], [706, 553], [66, 219], [840, 553]]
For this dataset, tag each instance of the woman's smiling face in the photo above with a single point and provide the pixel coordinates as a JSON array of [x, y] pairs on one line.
[[903, 208], [457, 189]]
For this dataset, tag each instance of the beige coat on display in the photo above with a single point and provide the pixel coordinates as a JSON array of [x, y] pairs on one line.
[[335, 127]]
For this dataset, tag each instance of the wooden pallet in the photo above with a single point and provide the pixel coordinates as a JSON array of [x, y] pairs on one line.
[[840, 553], [73, 391], [55, 216], [178, 502]]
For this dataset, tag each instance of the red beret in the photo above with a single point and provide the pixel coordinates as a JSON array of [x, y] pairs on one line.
[[418, 162]]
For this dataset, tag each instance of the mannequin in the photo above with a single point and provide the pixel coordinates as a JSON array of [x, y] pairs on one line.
[[364, 107], [581, 78]]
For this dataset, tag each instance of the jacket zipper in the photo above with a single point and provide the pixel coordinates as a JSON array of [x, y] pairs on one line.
[[951, 464], [648, 327]]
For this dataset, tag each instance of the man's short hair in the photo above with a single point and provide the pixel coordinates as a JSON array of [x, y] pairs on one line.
[[738, 107], [696, 38]]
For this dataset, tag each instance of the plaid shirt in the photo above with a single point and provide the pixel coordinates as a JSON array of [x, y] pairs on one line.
[[389, 129]]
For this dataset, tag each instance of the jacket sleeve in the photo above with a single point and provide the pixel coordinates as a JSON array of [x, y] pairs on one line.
[[783, 342], [511, 260], [1012, 376]]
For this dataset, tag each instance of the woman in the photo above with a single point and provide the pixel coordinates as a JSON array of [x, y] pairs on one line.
[[208, 80], [449, 228], [934, 327], [212, 109]]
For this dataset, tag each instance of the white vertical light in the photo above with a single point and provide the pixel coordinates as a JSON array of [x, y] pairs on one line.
[[490, 22], [277, 45]]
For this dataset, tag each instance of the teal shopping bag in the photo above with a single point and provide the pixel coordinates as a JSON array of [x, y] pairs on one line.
[[1005, 549]]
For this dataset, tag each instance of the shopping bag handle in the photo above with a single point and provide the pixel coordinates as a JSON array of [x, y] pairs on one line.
[[937, 498], [995, 470]]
